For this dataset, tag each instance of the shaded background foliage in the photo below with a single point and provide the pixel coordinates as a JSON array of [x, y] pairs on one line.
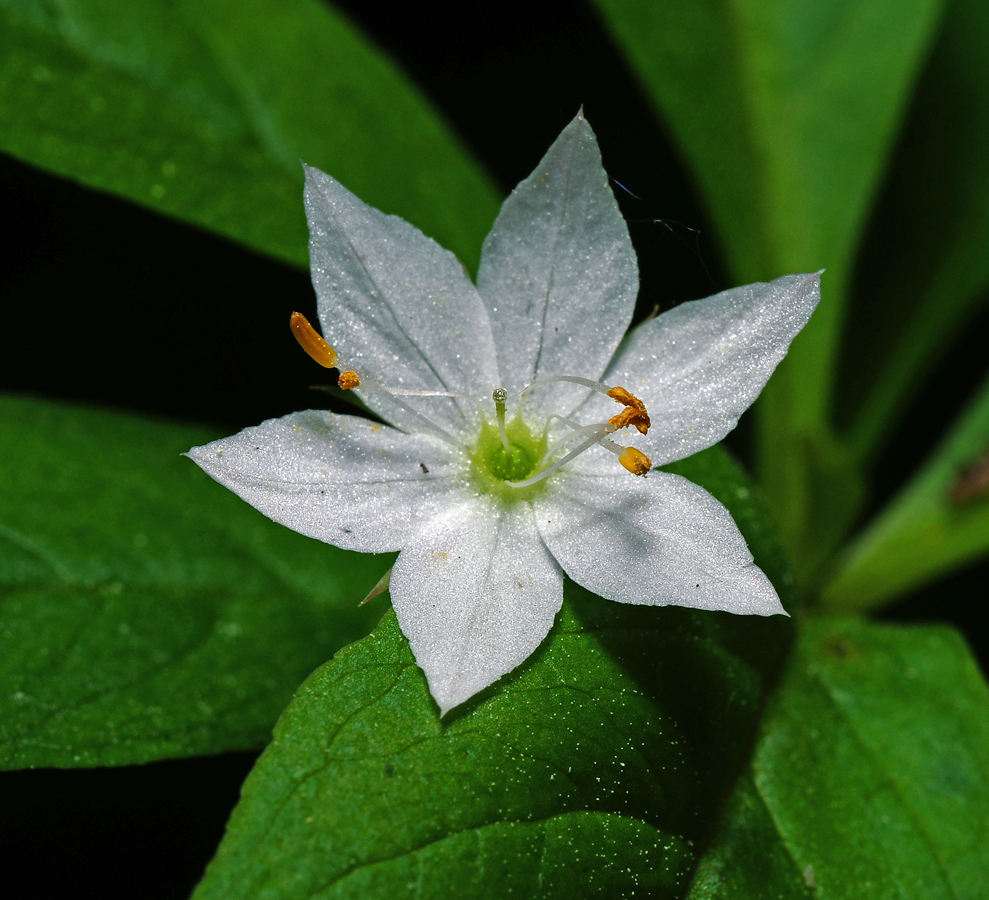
[[168, 338]]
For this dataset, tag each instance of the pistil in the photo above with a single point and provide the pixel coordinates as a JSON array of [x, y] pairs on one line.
[[499, 396]]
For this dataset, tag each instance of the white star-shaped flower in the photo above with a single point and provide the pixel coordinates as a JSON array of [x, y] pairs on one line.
[[488, 389]]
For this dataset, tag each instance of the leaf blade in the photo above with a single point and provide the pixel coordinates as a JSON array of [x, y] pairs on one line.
[[870, 769], [145, 613], [203, 111], [786, 113], [361, 772]]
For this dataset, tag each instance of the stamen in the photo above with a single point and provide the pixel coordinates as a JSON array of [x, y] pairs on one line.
[[499, 396], [399, 393], [635, 461], [452, 396], [633, 414], [632, 459], [312, 341]]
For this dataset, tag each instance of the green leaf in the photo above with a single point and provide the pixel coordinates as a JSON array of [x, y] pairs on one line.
[[870, 776], [937, 523], [786, 112], [926, 272], [590, 771], [145, 612], [202, 109], [583, 770]]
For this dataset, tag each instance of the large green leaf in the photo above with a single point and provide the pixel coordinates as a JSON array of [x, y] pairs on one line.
[[938, 522], [592, 770], [926, 269], [870, 776], [145, 612], [587, 772], [786, 112], [202, 109]]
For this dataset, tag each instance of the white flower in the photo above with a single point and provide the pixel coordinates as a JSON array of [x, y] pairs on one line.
[[479, 578]]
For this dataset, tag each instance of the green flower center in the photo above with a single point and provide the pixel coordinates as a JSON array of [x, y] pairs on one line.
[[515, 465], [492, 465]]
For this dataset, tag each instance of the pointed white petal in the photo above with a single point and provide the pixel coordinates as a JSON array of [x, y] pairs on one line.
[[475, 592], [340, 479], [700, 365], [558, 272], [657, 541], [396, 306]]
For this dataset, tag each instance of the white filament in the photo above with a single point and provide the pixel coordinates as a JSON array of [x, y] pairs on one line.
[[427, 424], [570, 379], [590, 430]]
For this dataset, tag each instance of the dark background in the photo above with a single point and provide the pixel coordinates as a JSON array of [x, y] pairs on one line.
[[107, 304]]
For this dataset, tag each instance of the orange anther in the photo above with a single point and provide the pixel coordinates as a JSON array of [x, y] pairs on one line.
[[631, 416], [626, 398], [312, 341], [348, 381], [634, 412], [635, 461]]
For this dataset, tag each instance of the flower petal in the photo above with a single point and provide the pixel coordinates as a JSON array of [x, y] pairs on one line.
[[340, 479], [397, 307], [657, 541], [700, 365], [558, 272], [475, 592]]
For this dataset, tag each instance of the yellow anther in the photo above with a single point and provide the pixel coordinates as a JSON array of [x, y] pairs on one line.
[[633, 414], [635, 461], [312, 341], [348, 381]]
